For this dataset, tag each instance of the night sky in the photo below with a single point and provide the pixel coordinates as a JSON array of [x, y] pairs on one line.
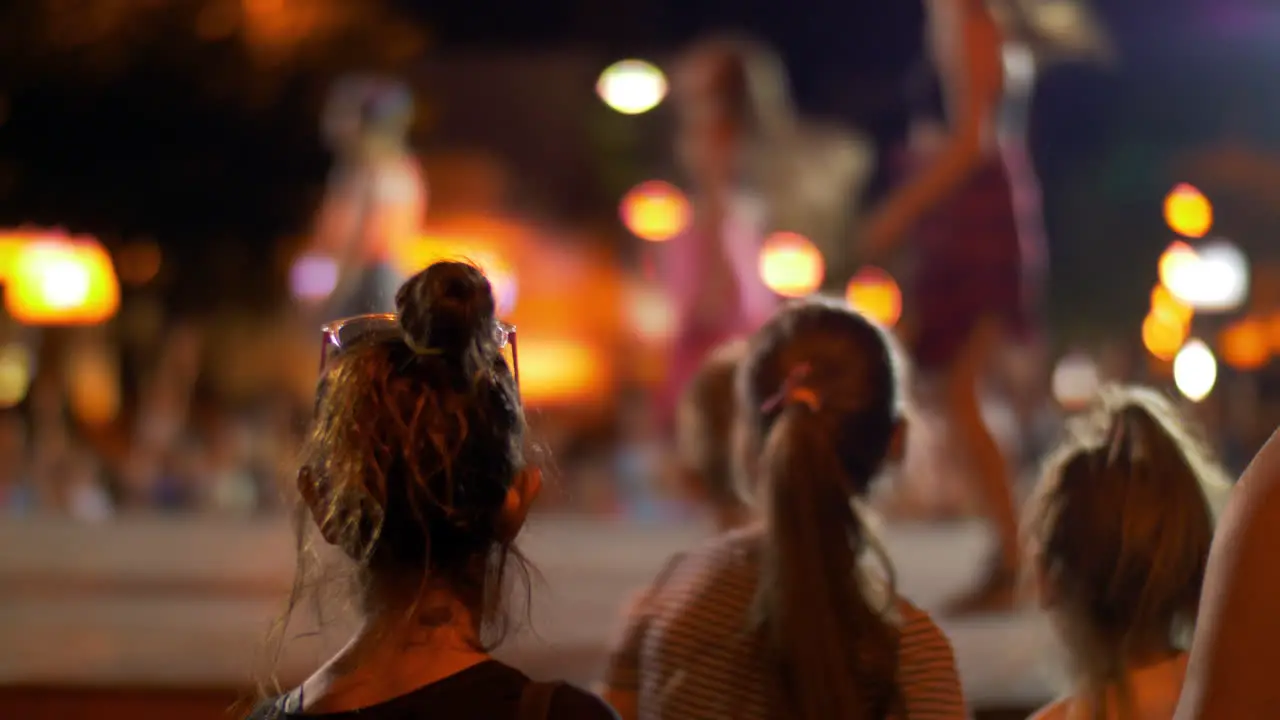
[[155, 133]]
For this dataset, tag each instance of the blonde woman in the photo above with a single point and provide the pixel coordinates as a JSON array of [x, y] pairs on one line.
[[1120, 533]]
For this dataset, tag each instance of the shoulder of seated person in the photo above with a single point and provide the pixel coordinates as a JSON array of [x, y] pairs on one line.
[[747, 537], [1057, 710], [573, 703], [910, 612]]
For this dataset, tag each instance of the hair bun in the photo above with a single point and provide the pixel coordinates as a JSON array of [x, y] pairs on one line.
[[447, 307]]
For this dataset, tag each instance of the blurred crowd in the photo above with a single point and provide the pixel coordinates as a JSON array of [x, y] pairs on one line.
[[110, 425], [210, 415]]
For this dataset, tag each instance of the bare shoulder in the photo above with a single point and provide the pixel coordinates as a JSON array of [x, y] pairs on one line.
[[1057, 710], [744, 540]]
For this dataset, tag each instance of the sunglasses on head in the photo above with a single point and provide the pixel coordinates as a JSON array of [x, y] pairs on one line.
[[340, 335]]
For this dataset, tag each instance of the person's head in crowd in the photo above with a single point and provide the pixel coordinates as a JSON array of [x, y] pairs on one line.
[[1119, 532], [731, 92], [415, 466], [704, 436], [820, 406], [367, 110]]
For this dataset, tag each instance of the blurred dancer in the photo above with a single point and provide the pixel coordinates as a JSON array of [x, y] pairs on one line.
[[755, 167], [971, 203], [377, 193]]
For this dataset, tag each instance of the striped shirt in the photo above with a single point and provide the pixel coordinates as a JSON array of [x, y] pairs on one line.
[[684, 652]]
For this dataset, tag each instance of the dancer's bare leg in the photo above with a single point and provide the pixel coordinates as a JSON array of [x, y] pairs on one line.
[[988, 469]]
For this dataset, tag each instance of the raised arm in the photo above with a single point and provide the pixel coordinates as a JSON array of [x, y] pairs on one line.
[[966, 44], [1237, 641]]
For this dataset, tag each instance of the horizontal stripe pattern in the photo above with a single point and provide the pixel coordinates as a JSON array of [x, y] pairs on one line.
[[686, 652]]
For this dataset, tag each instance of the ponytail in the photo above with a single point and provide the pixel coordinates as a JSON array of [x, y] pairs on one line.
[[1124, 521], [835, 654]]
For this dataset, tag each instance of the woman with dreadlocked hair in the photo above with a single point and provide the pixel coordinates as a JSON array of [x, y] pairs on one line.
[[415, 472], [1119, 536], [755, 168]]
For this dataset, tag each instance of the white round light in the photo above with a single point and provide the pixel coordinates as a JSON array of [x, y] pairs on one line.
[[1216, 281], [1195, 370], [15, 374], [632, 87], [1075, 381], [66, 283]]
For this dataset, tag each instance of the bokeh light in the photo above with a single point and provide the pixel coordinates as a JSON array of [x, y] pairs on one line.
[[488, 250], [1188, 212], [874, 293], [1170, 308], [1245, 345], [15, 374], [560, 371], [11, 244], [1076, 380], [1224, 277], [1213, 279], [1272, 324], [1195, 370], [655, 211], [313, 277], [790, 265], [1177, 262], [1162, 336], [503, 280], [632, 87], [63, 282]]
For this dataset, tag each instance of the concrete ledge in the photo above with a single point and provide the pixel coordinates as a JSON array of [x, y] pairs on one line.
[[185, 603], [142, 703]]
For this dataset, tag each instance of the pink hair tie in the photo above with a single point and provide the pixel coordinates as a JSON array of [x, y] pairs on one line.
[[794, 391]]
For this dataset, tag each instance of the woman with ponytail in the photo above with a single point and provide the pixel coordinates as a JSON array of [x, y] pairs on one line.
[[782, 619], [1120, 534]]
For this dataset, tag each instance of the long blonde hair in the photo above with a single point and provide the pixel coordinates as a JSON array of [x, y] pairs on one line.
[[1120, 529]]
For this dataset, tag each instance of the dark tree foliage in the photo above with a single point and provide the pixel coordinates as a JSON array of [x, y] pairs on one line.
[[190, 121]]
